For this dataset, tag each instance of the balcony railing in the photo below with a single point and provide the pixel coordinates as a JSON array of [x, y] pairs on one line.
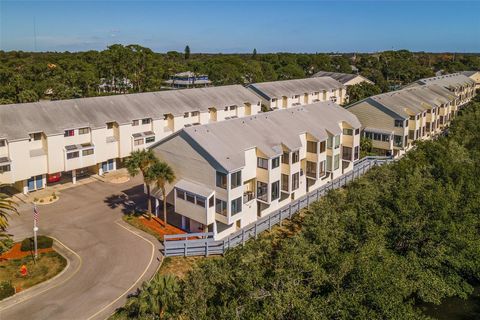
[[311, 174], [263, 197], [248, 196]]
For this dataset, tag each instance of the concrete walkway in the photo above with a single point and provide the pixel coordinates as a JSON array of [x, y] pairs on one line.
[[108, 258]]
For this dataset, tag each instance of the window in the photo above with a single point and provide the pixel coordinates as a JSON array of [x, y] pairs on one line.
[[190, 197], [330, 142], [200, 202], [110, 125], [397, 141], [146, 121], [275, 190], [312, 146], [69, 133], [36, 136], [336, 162], [211, 202], [262, 163], [195, 113], [295, 156], [284, 182], [321, 171], [322, 146], [149, 139], [311, 169], [87, 152], [357, 131], [232, 108], [73, 155], [275, 162], [236, 206], [3, 143], [135, 123], [347, 153], [138, 142], [185, 115], [412, 117], [348, 132], [5, 168], [295, 181], [399, 123], [357, 153], [329, 163], [286, 158], [236, 179], [221, 207], [337, 142], [83, 130], [180, 194], [262, 189], [221, 180]]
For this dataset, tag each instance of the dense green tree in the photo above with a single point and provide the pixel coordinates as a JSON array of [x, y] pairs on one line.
[[187, 52], [162, 174], [361, 91]]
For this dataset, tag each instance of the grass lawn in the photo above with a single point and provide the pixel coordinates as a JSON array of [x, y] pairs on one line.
[[47, 266]]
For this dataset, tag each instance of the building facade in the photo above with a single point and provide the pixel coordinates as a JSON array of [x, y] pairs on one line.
[[393, 121], [292, 93], [475, 76], [43, 141], [231, 173]]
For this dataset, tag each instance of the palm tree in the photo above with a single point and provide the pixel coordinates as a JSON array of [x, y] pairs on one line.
[[158, 297], [139, 162], [163, 174], [7, 207]]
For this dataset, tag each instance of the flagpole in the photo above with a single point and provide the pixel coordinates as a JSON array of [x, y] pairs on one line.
[[35, 229]]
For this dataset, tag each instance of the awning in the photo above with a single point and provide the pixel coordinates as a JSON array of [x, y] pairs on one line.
[[194, 187]]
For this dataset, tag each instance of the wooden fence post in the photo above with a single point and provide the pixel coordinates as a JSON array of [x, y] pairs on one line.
[[206, 248], [256, 234], [269, 222], [185, 248], [290, 211], [243, 237]]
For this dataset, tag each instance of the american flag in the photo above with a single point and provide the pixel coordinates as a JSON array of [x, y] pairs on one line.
[[35, 213]]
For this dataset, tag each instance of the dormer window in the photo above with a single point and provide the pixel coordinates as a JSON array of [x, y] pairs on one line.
[[36, 136], [146, 121], [83, 130], [185, 115], [135, 123], [69, 133]]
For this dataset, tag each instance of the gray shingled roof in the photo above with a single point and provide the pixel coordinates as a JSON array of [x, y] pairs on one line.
[[453, 80], [53, 117], [469, 73], [413, 100], [270, 132], [278, 89], [340, 77]]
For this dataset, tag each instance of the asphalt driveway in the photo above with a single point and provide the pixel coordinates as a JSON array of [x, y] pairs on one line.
[[111, 258]]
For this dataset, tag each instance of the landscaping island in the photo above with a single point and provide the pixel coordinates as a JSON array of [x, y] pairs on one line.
[[19, 270]]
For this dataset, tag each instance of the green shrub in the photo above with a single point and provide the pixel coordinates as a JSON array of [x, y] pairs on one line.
[[6, 289], [5, 244], [43, 242]]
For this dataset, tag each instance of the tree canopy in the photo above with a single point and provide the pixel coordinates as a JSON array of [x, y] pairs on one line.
[[31, 76]]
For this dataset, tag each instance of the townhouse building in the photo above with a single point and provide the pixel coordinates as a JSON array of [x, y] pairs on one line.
[[43, 141], [394, 120], [291, 93], [230, 173], [346, 79], [459, 84], [475, 76]]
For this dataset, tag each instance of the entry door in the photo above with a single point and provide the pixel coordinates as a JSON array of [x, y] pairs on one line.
[[31, 184], [104, 166], [110, 165], [39, 182]]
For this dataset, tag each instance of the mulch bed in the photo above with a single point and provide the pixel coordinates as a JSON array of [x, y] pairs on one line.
[[16, 253], [158, 226]]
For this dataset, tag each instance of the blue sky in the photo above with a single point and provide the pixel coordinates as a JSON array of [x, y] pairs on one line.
[[240, 26]]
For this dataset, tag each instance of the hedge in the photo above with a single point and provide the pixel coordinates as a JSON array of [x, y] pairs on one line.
[[43, 242], [6, 289]]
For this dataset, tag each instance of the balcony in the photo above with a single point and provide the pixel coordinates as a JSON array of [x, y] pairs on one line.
[[248, 196]]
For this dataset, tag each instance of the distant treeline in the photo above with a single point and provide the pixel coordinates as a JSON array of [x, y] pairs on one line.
[[28, 77], [402, 235]]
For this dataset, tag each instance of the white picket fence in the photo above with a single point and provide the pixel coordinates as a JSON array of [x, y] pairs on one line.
[[203, 244]]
